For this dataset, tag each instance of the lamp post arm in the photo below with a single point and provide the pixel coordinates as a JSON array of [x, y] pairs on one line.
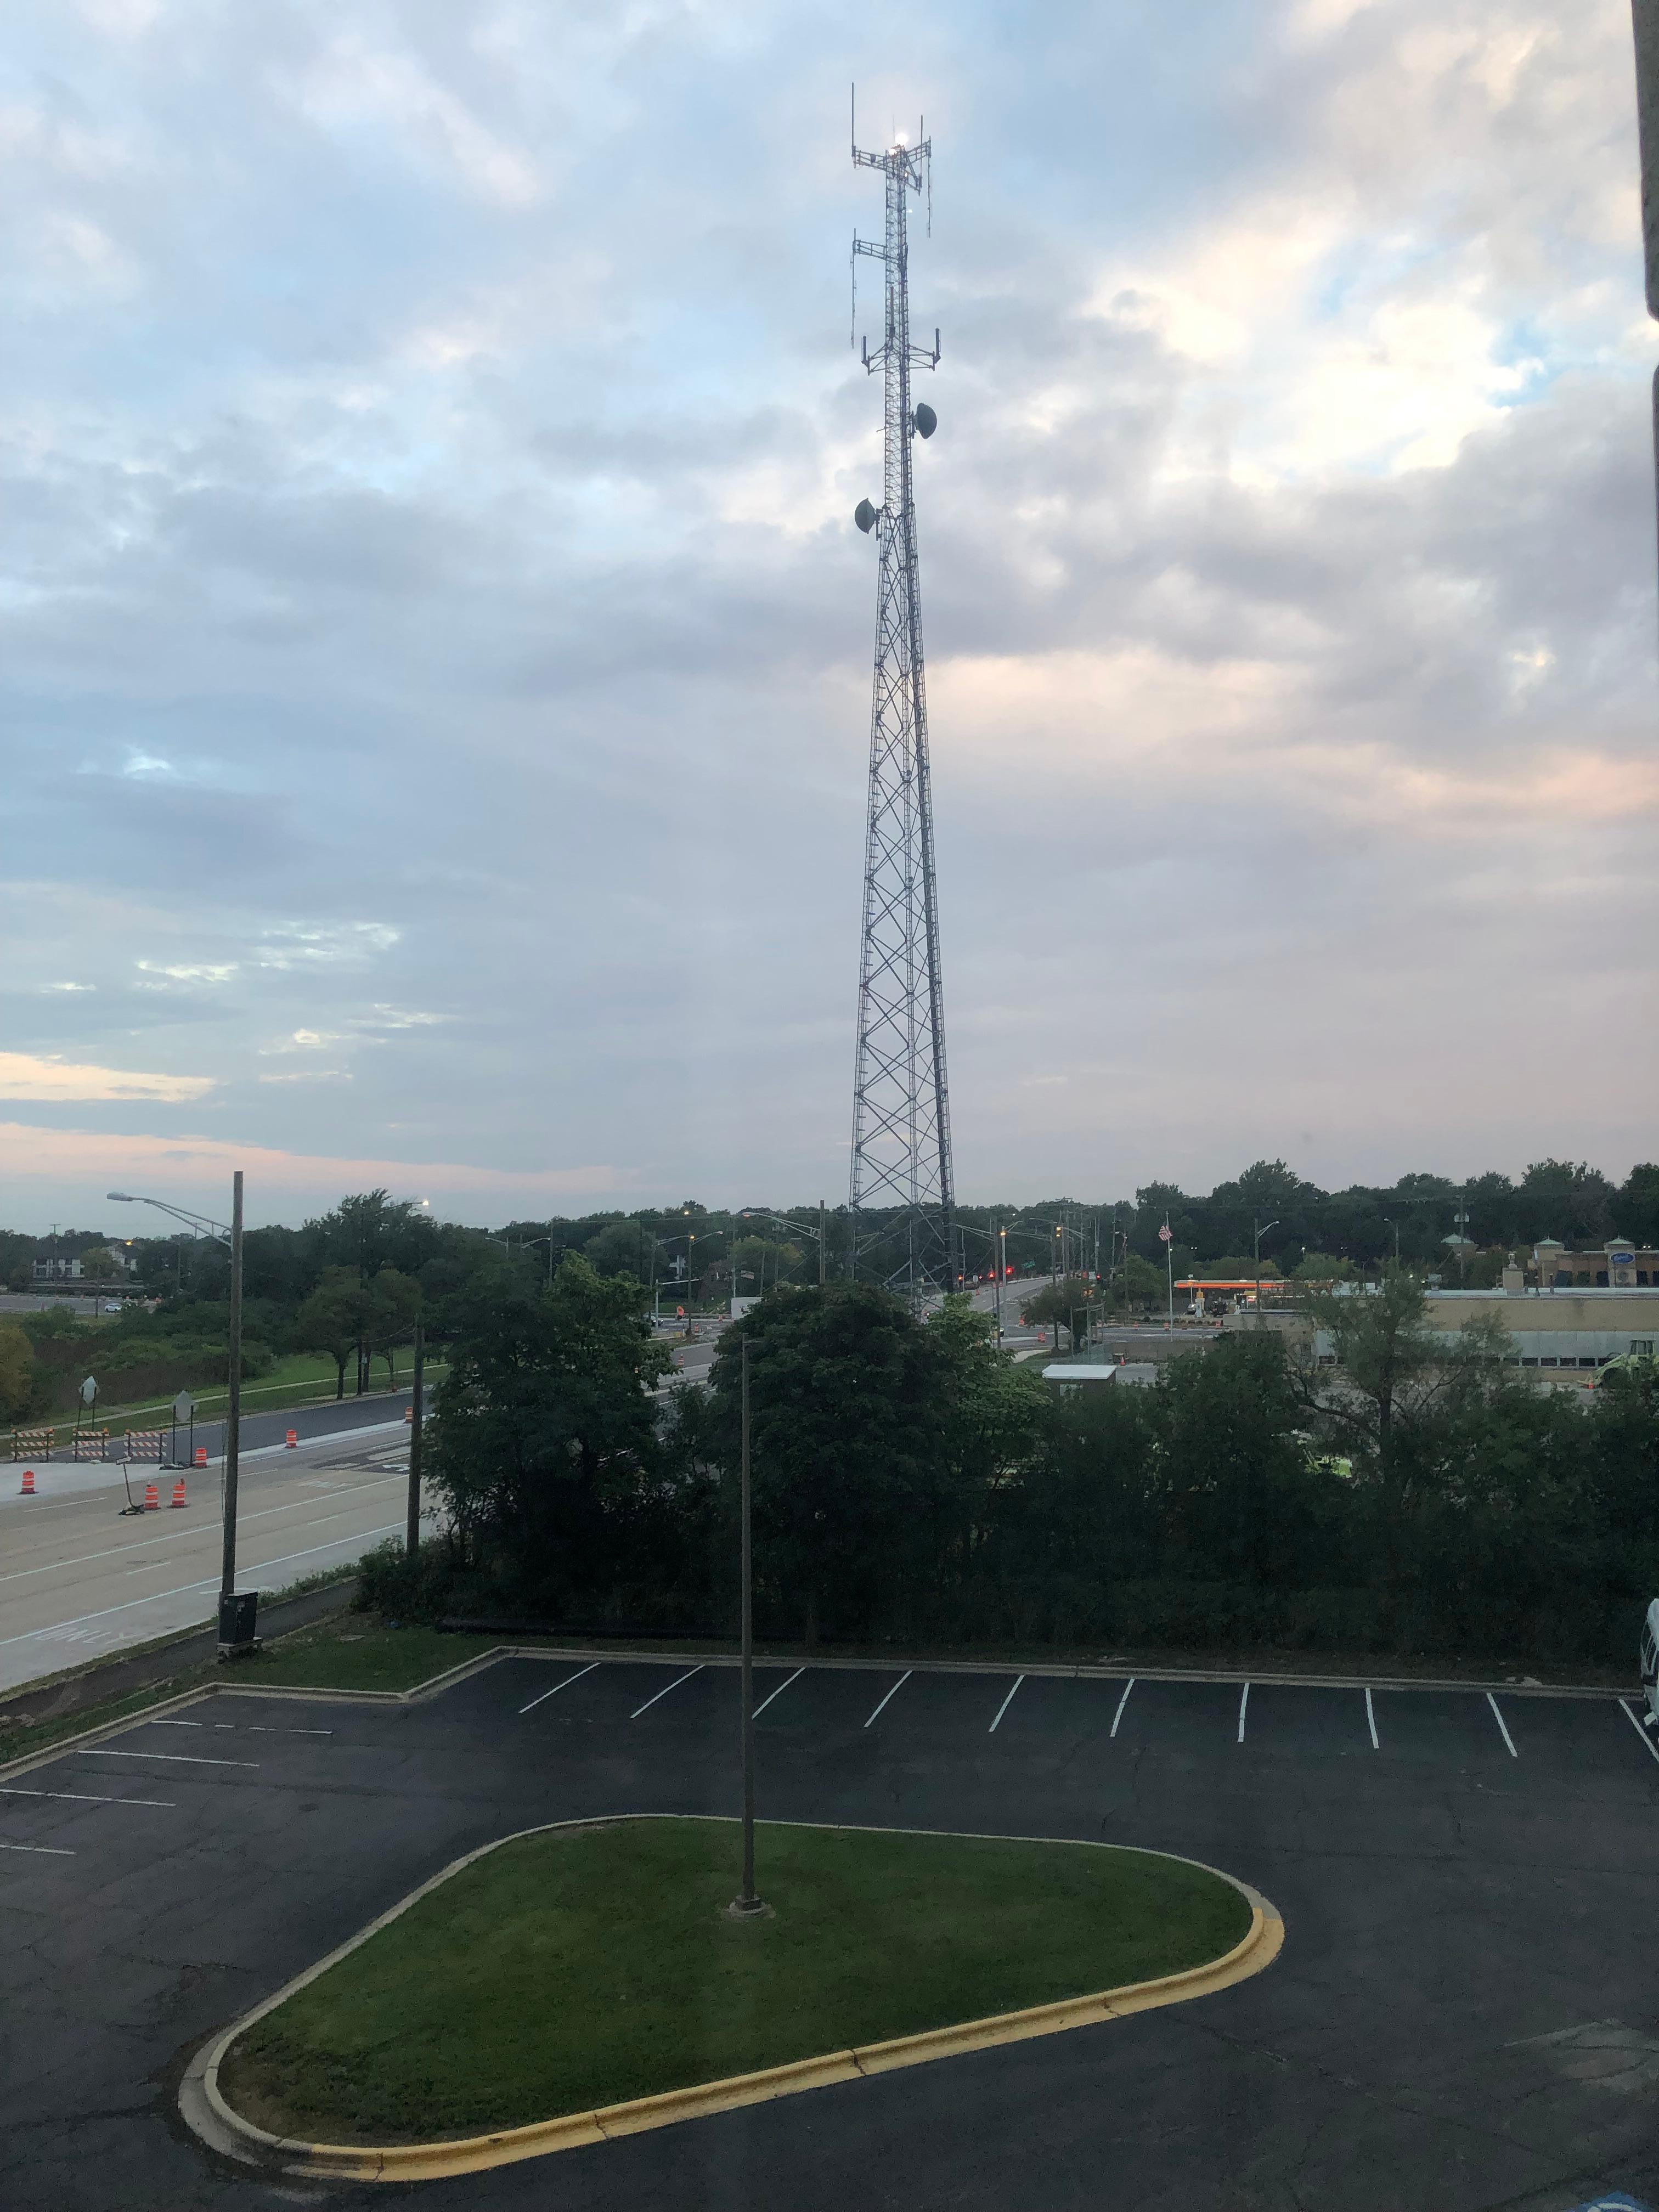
[[217, 1229]]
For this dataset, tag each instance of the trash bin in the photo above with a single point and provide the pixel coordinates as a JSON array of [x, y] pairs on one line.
[[237, 1614]]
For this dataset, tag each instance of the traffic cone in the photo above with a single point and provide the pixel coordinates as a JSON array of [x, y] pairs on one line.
[[408, 1415], [179, 1491], [201, 1455], [28, 1489], [293, 1439], [151, 1499]]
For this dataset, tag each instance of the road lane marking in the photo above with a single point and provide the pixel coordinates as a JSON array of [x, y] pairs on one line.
[[891, 1694], [1652, 1747], [674, 1685], [779, 1692], [1499, 1717], [80, 1797], [208, 1581], [1370, 1716], [546, 1694], [181, 1534], [1243, 1700], [1004, 1706], [173, 1757], [1121, 1702], [45, 1850]]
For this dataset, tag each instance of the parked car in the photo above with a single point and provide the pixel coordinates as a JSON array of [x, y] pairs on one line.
[[1650, 1667]]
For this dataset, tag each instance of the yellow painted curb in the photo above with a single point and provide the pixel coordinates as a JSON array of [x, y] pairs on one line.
[[1258, 1947]]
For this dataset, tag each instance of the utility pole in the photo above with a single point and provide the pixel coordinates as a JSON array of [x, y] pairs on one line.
[[233, 1411], [412, 1533], [823, 1247], [745, 1904], [901, 1100]]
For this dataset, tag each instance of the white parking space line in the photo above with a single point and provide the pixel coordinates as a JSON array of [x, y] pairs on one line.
[[1499, 1717], [171, 1758], [891, 1694], [250, 1728], [45, 1851], [1370, 1717], [1004, 1706], [1243, 1700], [82, 1797], [546, 1694], [1121, 1702], [778, 1692], [674, 1685], [1635, 1724]]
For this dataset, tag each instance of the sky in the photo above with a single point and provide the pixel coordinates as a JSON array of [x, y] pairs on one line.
[[435, 643]]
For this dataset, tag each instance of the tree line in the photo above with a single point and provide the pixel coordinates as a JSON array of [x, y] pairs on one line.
[[912, 1484]]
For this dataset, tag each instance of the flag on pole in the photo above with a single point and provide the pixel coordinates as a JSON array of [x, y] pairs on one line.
[[1164, 1234]]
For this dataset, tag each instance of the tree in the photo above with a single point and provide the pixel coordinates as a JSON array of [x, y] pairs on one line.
[[843, 1420], [1638, 1204], [390, 1307], [98, 1264], [1572, 1202], [1236, 1487], [544, 1437], [621, 1248], [1323, 1268], [1403, 1401], [1062, 1305], [16, 1373], [371, 1231], [332, 1319]]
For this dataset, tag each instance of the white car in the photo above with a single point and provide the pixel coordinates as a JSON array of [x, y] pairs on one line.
[[1651, 1666]]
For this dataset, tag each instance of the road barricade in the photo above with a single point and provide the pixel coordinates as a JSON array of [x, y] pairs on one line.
[[145, 1444], [90, 1443], [31, 1444]]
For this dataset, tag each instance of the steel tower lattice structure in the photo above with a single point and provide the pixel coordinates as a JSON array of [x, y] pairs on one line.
[[901, 1165]]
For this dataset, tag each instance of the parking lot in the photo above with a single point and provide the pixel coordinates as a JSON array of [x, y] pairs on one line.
[[1463, 2015]]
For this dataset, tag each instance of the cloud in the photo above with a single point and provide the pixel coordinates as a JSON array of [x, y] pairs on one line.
[[202, 971], [33, 1076], [175, 1166], [298, 944], [431, 461], [311, 1075]]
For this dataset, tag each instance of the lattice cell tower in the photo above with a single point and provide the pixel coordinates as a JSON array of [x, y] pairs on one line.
[[902, 1195]]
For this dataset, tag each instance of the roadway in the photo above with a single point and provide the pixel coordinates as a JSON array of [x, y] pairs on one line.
[[79, 1578], [1461, 2018]]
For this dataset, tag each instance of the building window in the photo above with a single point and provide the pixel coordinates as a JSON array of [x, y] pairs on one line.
[[1547, 1362], [1563, 1280], [1584, 1362], [1642, 1275], [1584, 1280], [1525, 1362], [1642, 1348], [1602, 1281]]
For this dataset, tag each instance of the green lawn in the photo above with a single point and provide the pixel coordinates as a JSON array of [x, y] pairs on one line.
[[582, 1968], [347, 1651], [299, 1378]]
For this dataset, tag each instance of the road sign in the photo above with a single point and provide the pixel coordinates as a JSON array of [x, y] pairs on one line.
[[88, 1390], [183, 1407]]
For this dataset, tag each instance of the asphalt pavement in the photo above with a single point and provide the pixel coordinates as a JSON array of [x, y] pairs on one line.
[[81, 1577], [1462, 2017]]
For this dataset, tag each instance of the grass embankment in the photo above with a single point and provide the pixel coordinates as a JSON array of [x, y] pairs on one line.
[[580, 1968], [347, 1651], [299, 1378]]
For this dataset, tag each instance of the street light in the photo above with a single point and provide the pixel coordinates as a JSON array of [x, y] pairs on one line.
[[1261, 1229], [820, 1235], [1394, 1225], [233, 1633], [746, 1904]]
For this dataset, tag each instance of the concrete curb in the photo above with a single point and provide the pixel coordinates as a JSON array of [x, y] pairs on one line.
[[204, 2108]]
